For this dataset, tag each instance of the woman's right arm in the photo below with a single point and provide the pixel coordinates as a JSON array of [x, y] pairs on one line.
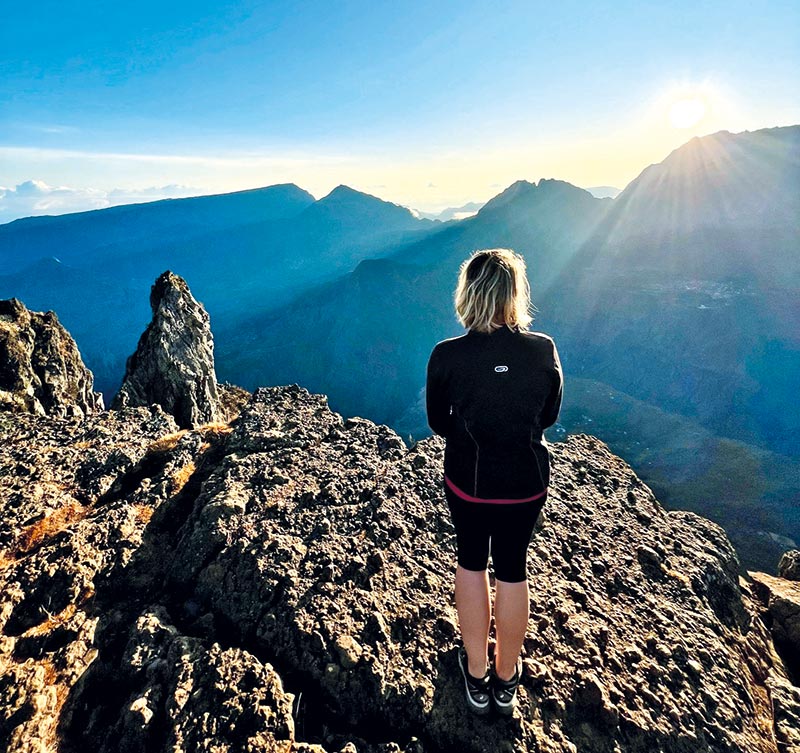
[[436, 398]]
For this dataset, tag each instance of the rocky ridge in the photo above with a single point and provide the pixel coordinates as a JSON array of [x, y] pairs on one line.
[[282, 581]]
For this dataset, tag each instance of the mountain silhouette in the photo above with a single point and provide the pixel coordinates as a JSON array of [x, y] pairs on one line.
[[453, 213], [100, 235], [695, 273], [384, 311], [241, 252]]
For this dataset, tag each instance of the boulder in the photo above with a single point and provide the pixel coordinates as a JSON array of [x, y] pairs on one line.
[[789, 565], [781, 599]]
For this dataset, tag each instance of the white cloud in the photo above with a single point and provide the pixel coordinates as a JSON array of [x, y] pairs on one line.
[[172, 191], [54, 128], [238, 159], [35, 197]]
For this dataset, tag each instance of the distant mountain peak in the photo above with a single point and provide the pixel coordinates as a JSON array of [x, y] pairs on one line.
[[346, 193], [783, 138], [345, 190], [346, 201], [556, 184], [463, 212], [514, 191], [522, 190], [519, 184], [274, 188], [707, 180]]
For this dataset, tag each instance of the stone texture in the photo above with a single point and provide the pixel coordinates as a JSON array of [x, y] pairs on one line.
[[173, 364], [232, 399], [789, 565], [284, 582], [41, 370], [177, 692], [781, 600], [59, 530]]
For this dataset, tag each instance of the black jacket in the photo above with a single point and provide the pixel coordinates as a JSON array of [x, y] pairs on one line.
[[491, 396]]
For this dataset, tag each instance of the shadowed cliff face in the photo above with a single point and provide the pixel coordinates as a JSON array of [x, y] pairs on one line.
[[284, 582]]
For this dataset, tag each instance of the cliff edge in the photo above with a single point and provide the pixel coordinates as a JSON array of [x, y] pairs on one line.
[[283, 581]]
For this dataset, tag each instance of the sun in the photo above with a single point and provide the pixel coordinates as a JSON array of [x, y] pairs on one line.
[[687, 112]]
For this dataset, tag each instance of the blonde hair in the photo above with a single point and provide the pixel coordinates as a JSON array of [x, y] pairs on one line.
[[493, 291]]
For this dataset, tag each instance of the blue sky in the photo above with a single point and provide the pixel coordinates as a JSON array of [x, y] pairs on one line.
[[426, 104]]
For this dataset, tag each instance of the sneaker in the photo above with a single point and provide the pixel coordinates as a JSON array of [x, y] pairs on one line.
[[504, 692], [477, 688]]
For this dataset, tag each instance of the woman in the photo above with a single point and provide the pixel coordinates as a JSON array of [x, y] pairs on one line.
[[491, 393]]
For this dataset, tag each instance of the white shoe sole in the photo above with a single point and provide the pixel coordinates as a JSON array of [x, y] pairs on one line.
[[473, 706], [508, 708]]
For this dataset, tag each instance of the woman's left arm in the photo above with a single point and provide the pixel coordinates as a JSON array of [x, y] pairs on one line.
[[436, 399], [552, 406]]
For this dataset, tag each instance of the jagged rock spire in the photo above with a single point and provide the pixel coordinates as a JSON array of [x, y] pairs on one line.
[[173, 364], [41, 369]]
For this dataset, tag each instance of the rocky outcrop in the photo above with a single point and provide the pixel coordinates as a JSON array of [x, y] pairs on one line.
[[173, 365], [777, 601], [41, 370], [284, 583], [789, 565], [781, 601]]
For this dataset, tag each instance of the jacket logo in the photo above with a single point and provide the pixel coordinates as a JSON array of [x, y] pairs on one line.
[[501, 368]]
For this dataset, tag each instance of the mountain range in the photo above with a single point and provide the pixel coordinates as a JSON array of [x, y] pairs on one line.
[[243, 252], [675, 307]]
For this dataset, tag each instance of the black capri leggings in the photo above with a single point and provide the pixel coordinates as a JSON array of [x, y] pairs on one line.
[[506, 529]]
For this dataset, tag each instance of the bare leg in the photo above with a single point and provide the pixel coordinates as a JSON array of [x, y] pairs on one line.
[[474, 613], [511, 612]]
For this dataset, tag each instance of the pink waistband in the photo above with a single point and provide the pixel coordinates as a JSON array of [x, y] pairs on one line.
[[470, 498]]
